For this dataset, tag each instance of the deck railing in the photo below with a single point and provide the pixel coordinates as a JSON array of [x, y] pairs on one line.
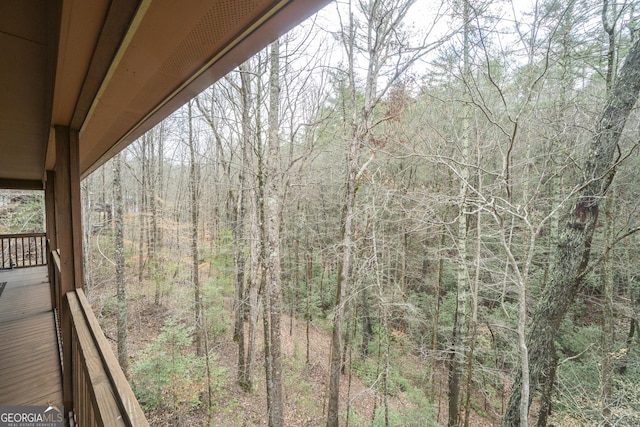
[[101, 395], [22, 250]]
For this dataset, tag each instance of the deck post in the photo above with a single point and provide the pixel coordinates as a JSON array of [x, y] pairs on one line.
[[52, 241], [69, 241], [68, 209]]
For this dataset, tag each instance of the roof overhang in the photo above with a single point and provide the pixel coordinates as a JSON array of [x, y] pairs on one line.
[[114, 69]]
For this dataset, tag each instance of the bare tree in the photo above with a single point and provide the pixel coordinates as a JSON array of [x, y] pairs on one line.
[[123, 353], [194, 208], [273, 200], [460, 321], [375, 30], [571, 263]]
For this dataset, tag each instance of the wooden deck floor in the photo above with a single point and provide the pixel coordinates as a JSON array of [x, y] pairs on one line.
[[29, 359]]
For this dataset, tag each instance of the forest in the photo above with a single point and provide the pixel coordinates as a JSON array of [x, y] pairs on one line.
[[400, 213]]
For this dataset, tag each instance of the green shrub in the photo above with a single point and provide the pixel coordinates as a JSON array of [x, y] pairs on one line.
[[168, 374], [217, 318]]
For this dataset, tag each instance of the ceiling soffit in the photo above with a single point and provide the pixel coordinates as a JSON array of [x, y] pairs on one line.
[[114, 68], [173, 51], [26, 70]]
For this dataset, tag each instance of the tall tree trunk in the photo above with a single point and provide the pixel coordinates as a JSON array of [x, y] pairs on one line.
[[253, 284], [335, 364], [157, 194], [572, 257], [273, 217], [142, 211], [123, 354], [606, 379], [257, 246], [237, 225], [555, 185], [195, 258], [475, 292], [438, 283], [609, 8], [296, 273], [268, 365], [367, 325], [160, 186], [459, 337], [308, 281], [381, 27], [346, 240], [152, 224]]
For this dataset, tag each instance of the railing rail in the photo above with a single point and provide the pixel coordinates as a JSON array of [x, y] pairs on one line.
[[22, 250], [54, 278], [100, 393]]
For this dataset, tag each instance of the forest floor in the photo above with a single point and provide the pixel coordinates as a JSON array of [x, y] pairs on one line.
[[305, 384]]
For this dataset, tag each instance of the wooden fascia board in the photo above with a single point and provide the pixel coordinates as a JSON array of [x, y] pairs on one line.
[[54, 13]]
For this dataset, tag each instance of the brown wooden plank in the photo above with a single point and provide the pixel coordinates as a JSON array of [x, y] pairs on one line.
[[29, 361], [25, 353], [25, 386], [26, 293], [17, 362]]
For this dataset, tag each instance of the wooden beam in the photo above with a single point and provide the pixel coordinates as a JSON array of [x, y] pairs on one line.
[[21, 184]]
